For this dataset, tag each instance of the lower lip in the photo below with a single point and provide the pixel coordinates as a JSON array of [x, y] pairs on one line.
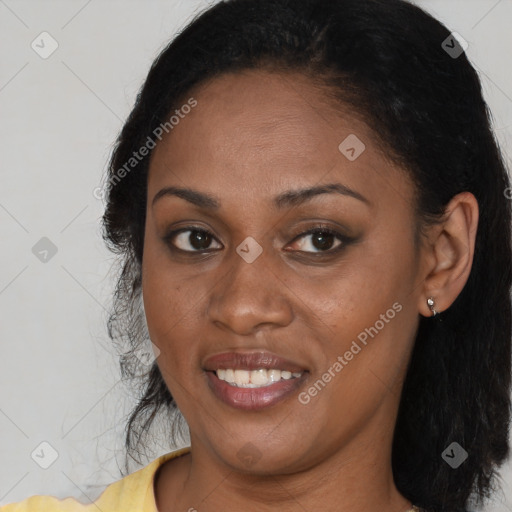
[[252, 399]]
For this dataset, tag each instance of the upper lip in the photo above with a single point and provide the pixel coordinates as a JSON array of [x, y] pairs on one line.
[[251, 361]]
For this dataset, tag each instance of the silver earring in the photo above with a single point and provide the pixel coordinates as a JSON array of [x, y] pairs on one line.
[[431, 304]]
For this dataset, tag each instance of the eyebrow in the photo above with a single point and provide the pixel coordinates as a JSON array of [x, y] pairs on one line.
[[286, 199]]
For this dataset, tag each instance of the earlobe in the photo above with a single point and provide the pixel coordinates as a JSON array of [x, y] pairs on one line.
[[451, 253]]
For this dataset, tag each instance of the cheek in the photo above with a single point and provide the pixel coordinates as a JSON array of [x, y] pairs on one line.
[[365, 310], [363, 348], [361, 288], [170, 302], [171, 306]]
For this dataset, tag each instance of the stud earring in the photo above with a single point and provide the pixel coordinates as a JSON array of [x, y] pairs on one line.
[[431, 304]]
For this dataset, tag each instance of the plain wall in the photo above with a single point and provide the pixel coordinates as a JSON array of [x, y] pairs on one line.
[[59, 377]]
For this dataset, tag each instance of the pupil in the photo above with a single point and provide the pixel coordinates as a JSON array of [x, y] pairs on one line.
[[324, 240], [201, 240]]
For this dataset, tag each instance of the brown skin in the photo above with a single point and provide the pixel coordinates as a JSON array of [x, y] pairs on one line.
[[252, 136]]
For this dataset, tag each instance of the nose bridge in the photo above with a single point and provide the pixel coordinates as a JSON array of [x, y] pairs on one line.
[[249, 294]]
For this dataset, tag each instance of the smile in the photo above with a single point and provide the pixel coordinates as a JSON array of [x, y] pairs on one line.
[[254, 378]]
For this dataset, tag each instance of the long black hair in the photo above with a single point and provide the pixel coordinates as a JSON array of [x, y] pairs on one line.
[[398, 68]]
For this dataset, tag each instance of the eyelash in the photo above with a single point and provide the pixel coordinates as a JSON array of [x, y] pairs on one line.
[[317, 229]]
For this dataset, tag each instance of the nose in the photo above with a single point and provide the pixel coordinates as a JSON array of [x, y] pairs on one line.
[[250, 297]]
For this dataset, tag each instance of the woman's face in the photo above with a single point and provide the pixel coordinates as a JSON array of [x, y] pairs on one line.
[[243, 280]]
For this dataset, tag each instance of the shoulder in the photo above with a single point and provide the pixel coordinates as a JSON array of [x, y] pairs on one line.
[[135, 492], [47, 503], [132, 493]]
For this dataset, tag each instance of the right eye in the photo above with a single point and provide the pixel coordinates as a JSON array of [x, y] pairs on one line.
[[191, 239]]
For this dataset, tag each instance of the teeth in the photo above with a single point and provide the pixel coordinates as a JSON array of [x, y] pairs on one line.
[[242, 377], [274, 375], [259, 377], [254, 378]]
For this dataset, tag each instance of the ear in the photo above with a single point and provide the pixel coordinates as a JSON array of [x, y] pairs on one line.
[[448, 253]]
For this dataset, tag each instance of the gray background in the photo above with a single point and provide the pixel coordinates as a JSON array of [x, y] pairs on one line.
[[59, 378]]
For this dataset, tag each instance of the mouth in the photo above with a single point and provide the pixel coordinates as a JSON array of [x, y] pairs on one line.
[[253, 380]]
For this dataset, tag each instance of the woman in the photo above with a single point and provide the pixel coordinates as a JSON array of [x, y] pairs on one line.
[[311, 210]]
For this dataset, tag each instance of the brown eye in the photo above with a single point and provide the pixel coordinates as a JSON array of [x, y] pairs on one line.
[[319, 240], [192, 240]]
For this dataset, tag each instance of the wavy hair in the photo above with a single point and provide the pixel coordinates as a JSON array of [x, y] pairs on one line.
[[385, 60]]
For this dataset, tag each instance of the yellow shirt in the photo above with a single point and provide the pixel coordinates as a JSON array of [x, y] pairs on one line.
[[133, 493]]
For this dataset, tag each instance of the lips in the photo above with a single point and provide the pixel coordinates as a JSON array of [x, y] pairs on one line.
[[251, 361], [253, 398]]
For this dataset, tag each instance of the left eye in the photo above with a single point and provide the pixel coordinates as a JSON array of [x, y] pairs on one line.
[[321, 239]]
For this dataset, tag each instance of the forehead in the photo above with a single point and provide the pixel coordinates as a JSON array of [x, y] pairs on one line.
[[260, 132]]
